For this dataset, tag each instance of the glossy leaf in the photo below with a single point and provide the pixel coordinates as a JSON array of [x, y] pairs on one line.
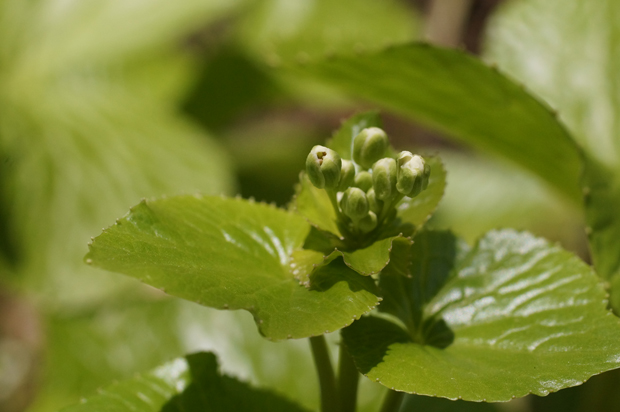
[[524, 317], [457, 94], [233, 254], [581, 83], [188, 384]]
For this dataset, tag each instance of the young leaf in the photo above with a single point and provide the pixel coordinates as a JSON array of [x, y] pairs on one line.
[[233, 254], [523, 316], [192, 383], [314, 205], [457, 94]]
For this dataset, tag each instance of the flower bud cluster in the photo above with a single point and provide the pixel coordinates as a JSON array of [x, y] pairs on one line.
[[366, 189]]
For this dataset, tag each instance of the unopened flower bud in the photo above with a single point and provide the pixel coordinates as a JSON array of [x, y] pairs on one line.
[[354, 204], [363, 180], [368, 223], [347, 175], [411, 174], [384, 178], [369, 146], [323, 167], [374, 204]]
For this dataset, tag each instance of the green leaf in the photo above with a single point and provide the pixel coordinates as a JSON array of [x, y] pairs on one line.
[[601, 198], [314, 205], [457, 94], [233, 254], [585, 92], [188, 384], [84, 135], [278, 29], [525, 317], [526, 38]]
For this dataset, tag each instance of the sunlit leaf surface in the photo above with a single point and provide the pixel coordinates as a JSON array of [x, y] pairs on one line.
[[233, 254], [515, 315], [528, 39]]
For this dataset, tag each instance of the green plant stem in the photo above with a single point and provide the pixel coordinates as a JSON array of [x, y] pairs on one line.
[[387, 207], [348, 378], [333, 198], [392, 401], [325, 371]]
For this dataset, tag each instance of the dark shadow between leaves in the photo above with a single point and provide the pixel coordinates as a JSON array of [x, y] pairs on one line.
[[413, 278], [369, 339], [325, 277]]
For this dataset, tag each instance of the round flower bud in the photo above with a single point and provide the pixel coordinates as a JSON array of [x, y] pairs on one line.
[[411, 176], [369, 146], [374, 204], [368, 223], [384, 178], [323, 167], [363, 180], [354, 203], [347, 175]]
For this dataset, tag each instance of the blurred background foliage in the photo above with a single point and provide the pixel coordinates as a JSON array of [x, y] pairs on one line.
[[108, 101]]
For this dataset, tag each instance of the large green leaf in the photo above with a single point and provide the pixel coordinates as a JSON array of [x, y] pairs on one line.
[[277, 29], [457, 94], [192, 383], [522, 316], [527, 38], [233, 254]]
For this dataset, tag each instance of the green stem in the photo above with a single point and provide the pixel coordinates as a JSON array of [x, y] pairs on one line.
[[333, 197], [387, 207], [348, 378], [327, 379], [392, 401]]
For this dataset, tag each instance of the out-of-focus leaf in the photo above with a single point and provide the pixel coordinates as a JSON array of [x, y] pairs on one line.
[[529, 39], [524, 317], [305, 29], [233, 254], [483, 194], [602, 199], [89, 348], [568, 54], [188, 384], [457, 94], [83, 135]]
